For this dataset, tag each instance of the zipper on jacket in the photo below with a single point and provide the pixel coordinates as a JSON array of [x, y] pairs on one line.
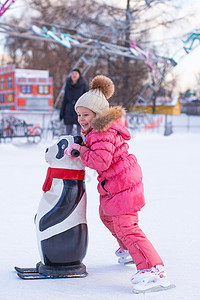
[[102, 184]]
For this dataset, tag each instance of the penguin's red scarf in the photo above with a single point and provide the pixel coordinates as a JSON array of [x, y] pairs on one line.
[[61, 174]]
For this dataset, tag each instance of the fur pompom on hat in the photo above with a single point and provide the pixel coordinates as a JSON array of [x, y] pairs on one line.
[[102, 88]]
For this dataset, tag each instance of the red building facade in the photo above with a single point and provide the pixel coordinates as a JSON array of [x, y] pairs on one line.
[[25, 89]]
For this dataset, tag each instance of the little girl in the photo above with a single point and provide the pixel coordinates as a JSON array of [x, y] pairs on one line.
[[120, 181]]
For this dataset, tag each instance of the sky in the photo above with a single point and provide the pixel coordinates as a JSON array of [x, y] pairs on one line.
[[189, 65]]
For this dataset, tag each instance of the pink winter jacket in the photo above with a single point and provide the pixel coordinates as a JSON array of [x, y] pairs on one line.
[[119, 175]]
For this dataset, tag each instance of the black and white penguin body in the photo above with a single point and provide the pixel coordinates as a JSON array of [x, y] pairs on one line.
[[61, 224]]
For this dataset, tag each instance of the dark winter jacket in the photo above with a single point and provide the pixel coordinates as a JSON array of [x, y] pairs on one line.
[[72, 93]]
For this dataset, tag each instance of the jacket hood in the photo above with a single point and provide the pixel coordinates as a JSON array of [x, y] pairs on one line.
[[111, 118]]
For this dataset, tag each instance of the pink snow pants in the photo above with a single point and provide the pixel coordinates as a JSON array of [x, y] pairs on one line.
[[130, 237]]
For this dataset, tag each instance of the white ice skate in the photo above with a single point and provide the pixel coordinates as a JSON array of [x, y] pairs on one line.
[[151, 280], [123, 256]]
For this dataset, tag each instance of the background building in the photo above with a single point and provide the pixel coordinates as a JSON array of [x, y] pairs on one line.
[[25, 89]]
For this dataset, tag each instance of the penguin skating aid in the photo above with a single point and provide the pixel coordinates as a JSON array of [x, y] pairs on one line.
[[61, 225]]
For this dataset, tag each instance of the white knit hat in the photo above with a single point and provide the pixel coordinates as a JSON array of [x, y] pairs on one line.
[[102, 88]]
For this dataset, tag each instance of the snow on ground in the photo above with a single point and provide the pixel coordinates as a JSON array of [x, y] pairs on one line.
[[171, 167]]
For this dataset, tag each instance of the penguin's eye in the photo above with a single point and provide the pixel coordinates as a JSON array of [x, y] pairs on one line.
[[62, 145]]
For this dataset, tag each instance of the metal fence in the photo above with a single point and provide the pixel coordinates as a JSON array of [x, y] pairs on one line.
[[47, 125], [163, 124], [24, 124]]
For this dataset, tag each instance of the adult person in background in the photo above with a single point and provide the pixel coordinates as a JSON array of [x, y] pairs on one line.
[[74, 88]]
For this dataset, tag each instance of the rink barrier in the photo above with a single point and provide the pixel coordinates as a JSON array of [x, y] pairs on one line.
[[51, 127], [12, 127]]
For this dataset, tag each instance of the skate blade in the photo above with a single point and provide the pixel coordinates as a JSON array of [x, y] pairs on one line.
[[157, 288], [125, 261]]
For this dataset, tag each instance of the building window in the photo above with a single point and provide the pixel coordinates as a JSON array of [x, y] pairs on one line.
[[2, 83], [10, 82], [10, 97], [2, 98], [43, 89], [26, 89]]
